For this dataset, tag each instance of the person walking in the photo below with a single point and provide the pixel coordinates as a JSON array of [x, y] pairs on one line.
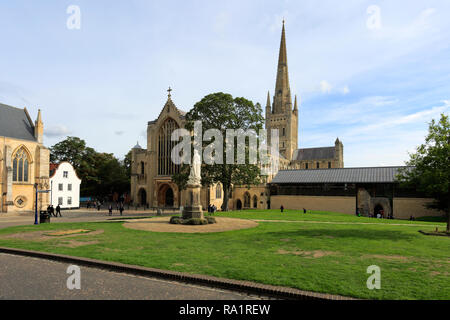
[[58, 211], [304, 210], [52, 211], [282, 209], [121, 208], [110, 209]]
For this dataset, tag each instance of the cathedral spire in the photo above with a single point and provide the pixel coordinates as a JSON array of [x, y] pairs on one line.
[[282, 100], [295, 104], [268, 105]]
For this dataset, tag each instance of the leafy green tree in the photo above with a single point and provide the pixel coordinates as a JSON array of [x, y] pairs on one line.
[[221, 111], [101, 173], [430, 167], [72, 150]]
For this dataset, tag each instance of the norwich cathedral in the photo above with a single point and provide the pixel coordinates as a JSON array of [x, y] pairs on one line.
[[152, 168], [308, 178]]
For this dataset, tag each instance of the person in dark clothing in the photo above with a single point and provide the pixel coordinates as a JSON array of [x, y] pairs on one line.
[[304, 210], [58, 211], [121, 209], [52, 210], [110, 209], [282, 209]]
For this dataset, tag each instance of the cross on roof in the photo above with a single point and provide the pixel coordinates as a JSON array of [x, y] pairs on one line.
[[169, 91]]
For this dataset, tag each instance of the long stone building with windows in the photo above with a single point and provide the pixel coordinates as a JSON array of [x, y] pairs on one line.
[[24, 160], [310, 178]]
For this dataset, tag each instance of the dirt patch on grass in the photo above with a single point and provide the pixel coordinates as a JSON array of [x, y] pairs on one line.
[[384, 257], [44, 235], [162, 225], [66, 232], [76, 244], [308, 254]]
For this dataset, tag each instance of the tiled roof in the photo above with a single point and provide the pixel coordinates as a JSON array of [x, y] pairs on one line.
[[15, 123], [314, 154], [343, 175]]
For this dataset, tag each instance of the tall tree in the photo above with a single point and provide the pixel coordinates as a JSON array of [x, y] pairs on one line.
[[221, 111], [72, 150], [101, 173], [430, 166]]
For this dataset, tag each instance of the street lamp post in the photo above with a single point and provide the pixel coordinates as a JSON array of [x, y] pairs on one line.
[[36, 221]]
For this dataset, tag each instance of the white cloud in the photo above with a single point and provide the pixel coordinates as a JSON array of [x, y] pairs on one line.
[[345, 90], [325, 86], [57, 131]]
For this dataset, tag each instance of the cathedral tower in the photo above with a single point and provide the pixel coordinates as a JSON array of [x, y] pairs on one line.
[[281, 114]]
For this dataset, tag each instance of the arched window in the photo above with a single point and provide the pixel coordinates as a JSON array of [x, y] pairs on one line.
[[21, 166], [247, 200], [165, 145], [255, 202], [142, 168], [218, 191]]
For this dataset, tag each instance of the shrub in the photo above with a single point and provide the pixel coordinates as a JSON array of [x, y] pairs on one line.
[[176, 220], [211, 220], [196, 221]]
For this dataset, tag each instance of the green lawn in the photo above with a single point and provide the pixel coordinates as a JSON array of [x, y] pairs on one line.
[[295, 215], [321, 257]]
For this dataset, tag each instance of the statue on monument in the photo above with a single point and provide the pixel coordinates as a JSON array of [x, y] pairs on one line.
[[195, 175]]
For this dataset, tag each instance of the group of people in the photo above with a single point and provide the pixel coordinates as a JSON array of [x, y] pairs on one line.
[[379, 215], [119, 207], [96, 205], [282, 209], [51, 210], [212, 208]]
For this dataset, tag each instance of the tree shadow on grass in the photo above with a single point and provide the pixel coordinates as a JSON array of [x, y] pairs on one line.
[[330, 233]]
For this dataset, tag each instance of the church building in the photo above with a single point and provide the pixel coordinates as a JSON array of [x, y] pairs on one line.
[[24, 161], [152, 168]]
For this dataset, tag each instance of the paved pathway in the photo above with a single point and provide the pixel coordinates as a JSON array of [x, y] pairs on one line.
[[40, 279]]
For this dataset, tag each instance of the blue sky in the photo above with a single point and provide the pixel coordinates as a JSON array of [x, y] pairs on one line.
[[374, 88]]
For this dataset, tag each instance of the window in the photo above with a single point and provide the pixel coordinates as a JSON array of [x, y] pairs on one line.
[[255, 202], [65, 174], [318, 165], [60, 187], [246, 200], [284, 132], [60, 201], [306, 166], [69, 200], [142, 168], [329, 165], [69, 187], [20, 166], [218, 191], [166, 167]]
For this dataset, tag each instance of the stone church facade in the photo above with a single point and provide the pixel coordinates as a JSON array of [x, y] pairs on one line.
[[24, 161], [152, 168]]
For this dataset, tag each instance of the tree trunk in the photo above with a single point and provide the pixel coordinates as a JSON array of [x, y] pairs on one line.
[[448, 214], [226, 190]]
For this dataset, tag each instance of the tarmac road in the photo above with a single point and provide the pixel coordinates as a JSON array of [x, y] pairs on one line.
[[25, 278]]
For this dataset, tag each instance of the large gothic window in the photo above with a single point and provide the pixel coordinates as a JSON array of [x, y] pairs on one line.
[[21, 166], [218, 191], [247, 200], [165, 165]]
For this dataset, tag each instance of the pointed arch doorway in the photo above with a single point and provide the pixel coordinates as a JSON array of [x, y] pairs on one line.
[[166, 196]]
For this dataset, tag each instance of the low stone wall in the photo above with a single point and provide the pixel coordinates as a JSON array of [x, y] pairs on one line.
[[333, 204], [404, 208]]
